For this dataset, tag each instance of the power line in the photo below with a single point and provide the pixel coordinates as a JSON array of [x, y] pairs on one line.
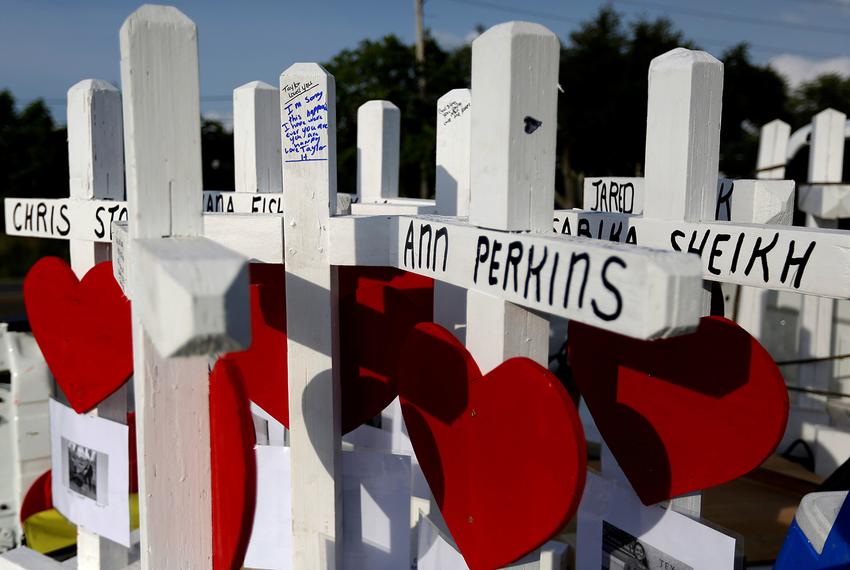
[[726, 17], [561, 18]]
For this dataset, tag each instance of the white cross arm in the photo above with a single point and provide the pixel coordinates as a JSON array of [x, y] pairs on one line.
[[191, 295], [803, 260], [636, 292], [828, 201], [768, 200]]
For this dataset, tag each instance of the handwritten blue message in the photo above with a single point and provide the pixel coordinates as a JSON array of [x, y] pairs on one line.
[[304, 113]]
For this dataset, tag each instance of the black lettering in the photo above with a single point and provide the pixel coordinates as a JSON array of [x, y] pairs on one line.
[[801, 261], [631, 187], [408, 247], [566, 229], [230, 209], [63, 213], [584, 228], [209, 203], [552, 278], [596, 184], [701, 248], [603, 201], [674, 236], [631, 237], [254, 204], [761, 253], [614, 196], [514, 257], [737, 251], [441, 233], [15, 217], [715, 252], [574, 259], [535, 271], [41, 216], [422, 229], [724, 200], [219, 203], [616, 231], [610, 286], [479, 255], [28, 213], [494, 265], [102, 231]]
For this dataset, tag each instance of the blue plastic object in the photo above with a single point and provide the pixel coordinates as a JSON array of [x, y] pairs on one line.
[[800, 552]]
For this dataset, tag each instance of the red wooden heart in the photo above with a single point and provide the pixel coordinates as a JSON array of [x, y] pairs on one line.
[[378, 307], [83, 329], [262, 367], [504, 453], [233, 464], [683, 413]]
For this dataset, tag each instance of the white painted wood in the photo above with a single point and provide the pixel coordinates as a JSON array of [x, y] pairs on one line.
[[802, 260], [96, 167], [454, 124], [683, 135], [773, 147], [378, 140], [826, 159], [477, 259], [454, 129], [244, 202], [23, 558], [308, 134], [514, 86], [259, 238], [186, 294], [407, 206], [159, 75], [256, 138], [825, 201], [613, 194]]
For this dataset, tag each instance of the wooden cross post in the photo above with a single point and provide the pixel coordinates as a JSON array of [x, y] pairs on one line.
[[454, 127], [308, 135], [190, 295], [824, 200], [512, 178], [770, 165], [96, 166]]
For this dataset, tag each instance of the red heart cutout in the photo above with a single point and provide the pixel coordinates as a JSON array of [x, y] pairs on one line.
[[83, 329], [262, 367], [504, 453], [233, 465], [378, 307], [683, 413]]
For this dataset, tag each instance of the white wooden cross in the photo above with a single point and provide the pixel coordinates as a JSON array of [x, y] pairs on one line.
[[190, 295], [515, 266]]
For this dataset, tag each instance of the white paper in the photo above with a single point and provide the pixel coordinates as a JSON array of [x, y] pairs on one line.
[[376, 504], [662, 534], [90, 459], [271, 537], [435, 550]]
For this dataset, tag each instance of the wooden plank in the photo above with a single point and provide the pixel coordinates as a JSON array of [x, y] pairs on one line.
[[802, 260], [308, 112], [654, 289], [243, 202], [513, 127], [256, 139], [453, 153], [826, 161], [512, 176], [96, 168], [773, 148], [613, 194], [378, 140], [452, 186], [159, 75]]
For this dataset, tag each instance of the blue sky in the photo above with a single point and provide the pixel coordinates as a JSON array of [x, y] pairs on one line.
[[48, 45]]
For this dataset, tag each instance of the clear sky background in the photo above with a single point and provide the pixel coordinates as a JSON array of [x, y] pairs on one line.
[[48, 45]]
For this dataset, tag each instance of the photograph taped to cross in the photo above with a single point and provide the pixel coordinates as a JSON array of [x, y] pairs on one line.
[[83, 474]]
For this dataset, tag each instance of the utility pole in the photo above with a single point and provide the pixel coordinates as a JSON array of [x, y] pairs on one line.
[[419, 11]]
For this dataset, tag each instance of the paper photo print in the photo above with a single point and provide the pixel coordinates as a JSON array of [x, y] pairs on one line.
[[91, 478], [622, 551], [85, 471]]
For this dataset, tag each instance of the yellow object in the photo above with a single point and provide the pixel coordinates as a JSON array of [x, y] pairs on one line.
[[49, 531]]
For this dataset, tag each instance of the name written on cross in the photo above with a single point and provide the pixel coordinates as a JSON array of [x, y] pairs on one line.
[[304, 122]]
